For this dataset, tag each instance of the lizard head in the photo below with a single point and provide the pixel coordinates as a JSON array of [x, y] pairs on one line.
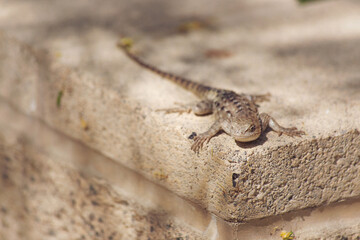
[[242, 130]]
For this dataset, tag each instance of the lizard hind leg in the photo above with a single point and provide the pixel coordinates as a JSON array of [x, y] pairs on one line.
[[268, 121], [201, 108]]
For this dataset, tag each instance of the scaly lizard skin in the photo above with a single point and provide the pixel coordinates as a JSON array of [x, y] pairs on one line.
[[236, 114]]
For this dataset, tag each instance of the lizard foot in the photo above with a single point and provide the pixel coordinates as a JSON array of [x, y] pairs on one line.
[[174, 110], [199, 142], [180, 110], [292, 132]]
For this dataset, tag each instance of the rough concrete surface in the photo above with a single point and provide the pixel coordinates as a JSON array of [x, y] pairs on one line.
[[305, 56], [42, 158], [51, 194]]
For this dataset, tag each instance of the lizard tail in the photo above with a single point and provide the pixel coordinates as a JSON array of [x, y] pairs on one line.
[[198, 89]]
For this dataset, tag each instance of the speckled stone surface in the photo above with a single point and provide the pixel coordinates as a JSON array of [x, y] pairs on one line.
[[44, 197], [305, 56]]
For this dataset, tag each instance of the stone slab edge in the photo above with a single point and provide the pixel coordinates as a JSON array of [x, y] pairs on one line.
[[235, 187], [42, 198]]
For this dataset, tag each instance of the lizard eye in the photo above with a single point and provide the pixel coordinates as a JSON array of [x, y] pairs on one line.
[[251, 128]]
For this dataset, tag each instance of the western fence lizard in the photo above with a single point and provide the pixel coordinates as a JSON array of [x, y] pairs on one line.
[[236, 114]]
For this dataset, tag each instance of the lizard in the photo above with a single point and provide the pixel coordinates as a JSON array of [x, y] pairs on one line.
[[235, 114]]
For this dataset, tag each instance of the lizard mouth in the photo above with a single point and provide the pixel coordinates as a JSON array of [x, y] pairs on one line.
[[247, 138]]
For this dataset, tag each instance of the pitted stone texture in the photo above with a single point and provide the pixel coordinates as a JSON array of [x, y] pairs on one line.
[[308, 174], [314, 86], [60, 161], [42, 199]]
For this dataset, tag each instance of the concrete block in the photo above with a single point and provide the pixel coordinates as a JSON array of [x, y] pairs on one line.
[[84, 87]]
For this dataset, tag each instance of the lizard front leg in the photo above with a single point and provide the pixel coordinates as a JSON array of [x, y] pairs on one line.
[[201, 108], [267, 120], [206, 136], [259, 98]]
